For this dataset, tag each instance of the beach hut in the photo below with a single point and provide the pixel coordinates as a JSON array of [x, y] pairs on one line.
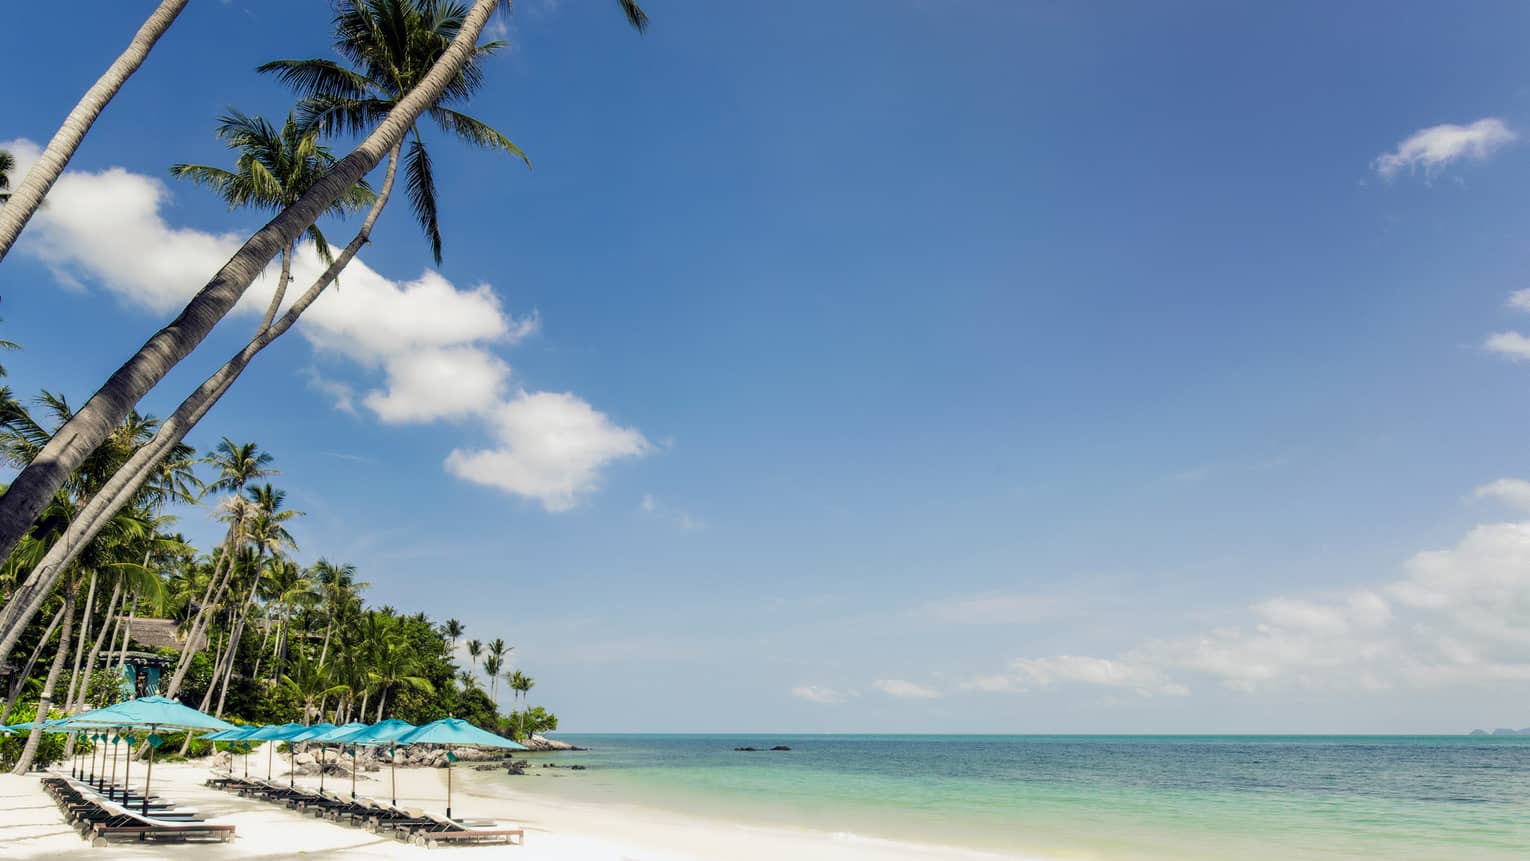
[[455, 732]]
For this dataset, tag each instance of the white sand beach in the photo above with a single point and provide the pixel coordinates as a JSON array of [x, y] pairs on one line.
[[31, 827]]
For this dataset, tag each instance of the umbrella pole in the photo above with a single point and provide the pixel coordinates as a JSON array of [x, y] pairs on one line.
[[127, 769], [323, 748], [393, 767], [150, 773], [448, 782], [270, 752], [353, 772], [246, 760], [113, 784]]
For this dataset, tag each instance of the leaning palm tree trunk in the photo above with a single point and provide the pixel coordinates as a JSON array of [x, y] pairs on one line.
[[35, 485], [79, 648], [127, 635], [125, 483], [95, 650], [20, 680], [234, 638], [28, 753], [223, 569], [30, 193]]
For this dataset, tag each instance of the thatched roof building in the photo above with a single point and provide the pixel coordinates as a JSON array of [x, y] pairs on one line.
[[157, 633]]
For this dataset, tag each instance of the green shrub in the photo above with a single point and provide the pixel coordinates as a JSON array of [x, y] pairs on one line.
[[49, 750]]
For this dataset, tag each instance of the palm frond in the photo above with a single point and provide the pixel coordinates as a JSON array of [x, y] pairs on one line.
[[337, 115], [422, 194], [475, 132], [635, 15], [312, 78]]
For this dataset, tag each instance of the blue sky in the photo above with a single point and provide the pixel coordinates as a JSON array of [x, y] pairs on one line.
[[960, 366]]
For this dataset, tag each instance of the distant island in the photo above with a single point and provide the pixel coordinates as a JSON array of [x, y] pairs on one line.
[[1525, 731]]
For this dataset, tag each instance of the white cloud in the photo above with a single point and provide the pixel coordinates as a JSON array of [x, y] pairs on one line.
[[993, 684], [1511, 344], [439, 383], [429, 339], [648, 503], [1514, 491], [551, 447], [824, 696], [106, 228], [1100, 672], [1456, 617], [1432, 148], [905, 690]]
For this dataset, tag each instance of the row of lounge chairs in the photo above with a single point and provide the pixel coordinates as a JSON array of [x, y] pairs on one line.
[[102, 820], [408, 825]]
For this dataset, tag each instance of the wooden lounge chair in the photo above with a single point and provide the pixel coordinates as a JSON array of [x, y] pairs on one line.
[[103, 822], [452, 831]]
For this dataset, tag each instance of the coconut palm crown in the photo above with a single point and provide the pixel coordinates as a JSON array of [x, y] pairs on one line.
[[390, 45], [274, 169]]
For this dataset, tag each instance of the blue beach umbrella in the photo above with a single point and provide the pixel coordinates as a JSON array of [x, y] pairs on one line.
[[333, 734], [308, 734], [386, 733], [237, 737], [455, 732], [151, 713], [274, 732]]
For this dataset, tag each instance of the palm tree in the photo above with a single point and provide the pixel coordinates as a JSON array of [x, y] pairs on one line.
[[520, 683], [474, 650], [392, 45], [491, 667], [34, 486], [526, 684], [267, 533], [237, 465], [291, 589], [310, 682], [497, 650], [66, 140], [452, 630], [396, 664], [338, 590], [45, 700], [274, 169]]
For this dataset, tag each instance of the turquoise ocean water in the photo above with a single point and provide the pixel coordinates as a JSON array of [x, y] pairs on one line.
[[1118, 798]]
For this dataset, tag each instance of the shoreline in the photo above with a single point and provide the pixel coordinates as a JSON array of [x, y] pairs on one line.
[[557, 829]]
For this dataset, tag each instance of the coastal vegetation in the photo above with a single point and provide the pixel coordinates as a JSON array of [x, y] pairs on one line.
[[257, 637], [87, 539]]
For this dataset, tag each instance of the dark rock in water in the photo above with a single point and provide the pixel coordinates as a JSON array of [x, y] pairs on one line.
[[489, 767], [749, 749], [576, 768], [780, 747]]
